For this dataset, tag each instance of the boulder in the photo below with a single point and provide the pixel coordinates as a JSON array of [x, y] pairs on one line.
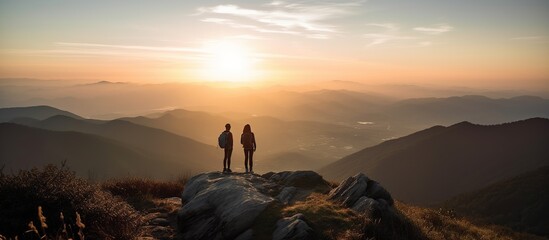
[[286, 195], [298, 185], [350, 190], [247, 235], [293, 228], [301, 179], [221, 206], [362, 195]]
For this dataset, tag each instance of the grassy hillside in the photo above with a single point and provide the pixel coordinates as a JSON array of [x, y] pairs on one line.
[[105, 211], [440, 162], [34, 112], [23, 147], [160, 145], [520, 203], [64, 201]]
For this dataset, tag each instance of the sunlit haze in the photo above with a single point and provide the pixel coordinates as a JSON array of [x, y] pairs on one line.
[[488, 44]]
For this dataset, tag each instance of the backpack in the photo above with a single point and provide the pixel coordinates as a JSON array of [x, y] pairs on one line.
[[222, 140]]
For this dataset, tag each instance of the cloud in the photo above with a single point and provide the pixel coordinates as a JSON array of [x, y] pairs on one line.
[[528, 38], [128, 47], [386, 33], [435, 29], [76, 49], [308, 20], [381, 38], [386, 26], [235, 24]]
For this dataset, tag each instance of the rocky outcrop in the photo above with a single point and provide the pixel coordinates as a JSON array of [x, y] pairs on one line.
[[225, 206], [220, 206], [363, 195], [297, 185], [293, 228]]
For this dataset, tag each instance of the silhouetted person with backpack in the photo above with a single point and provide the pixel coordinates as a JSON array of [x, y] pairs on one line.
[[226, 142], [248, 143]]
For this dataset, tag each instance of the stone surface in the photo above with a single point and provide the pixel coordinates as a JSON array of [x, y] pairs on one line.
[[222, 206], [286, 195], [350, 190], [247, 235], [293, 228], [297, 185], [225, 206], [300, 179], [362, 195]]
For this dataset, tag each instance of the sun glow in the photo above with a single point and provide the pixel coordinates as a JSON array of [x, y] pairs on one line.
[[228, 62]]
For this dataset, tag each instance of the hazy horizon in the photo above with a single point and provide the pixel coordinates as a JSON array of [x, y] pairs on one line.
[[489, 45]]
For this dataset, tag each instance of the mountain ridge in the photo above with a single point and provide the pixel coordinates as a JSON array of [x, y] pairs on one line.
[[433, 160]]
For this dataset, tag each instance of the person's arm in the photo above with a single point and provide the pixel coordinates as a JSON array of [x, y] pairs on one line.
[[230, 142], [253, 141]]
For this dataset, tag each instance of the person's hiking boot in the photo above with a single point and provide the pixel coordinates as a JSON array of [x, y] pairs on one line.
[[224, 170], [229, 170], [247, 170]]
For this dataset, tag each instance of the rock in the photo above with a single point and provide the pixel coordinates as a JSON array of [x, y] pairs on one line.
[[221, 206], [301, 179], [298, 185], [362, 195], [372, 208], [286, 195], [350, 190], [293, 228], [247, 235], [376, 191], [225, 206], [365, 204]]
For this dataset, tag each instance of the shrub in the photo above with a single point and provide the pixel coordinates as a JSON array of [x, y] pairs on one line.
[[140, 192], [58, 190], [131, 187]]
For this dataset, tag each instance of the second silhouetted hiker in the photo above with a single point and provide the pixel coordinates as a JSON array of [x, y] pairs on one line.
[[248, 143]]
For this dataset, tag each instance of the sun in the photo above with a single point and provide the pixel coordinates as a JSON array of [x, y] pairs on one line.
[[228, 62]]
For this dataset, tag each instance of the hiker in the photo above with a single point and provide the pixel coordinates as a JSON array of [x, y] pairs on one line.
[[248, 143], [226, 142]]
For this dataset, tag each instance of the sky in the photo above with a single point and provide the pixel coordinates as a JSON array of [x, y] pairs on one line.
[[483, 43]]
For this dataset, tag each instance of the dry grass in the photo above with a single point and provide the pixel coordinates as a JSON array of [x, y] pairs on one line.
[[58, 190], [333, 221], [141, 192], [443, 225], [328, 218]]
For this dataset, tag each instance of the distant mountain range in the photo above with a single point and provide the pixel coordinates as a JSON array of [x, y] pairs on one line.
[[34, 112], [170, 136], [478, 109], [129, 142], [521, 203], [332, 102], [23, 147], [322, 142], [166, 146], [440, 162]]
